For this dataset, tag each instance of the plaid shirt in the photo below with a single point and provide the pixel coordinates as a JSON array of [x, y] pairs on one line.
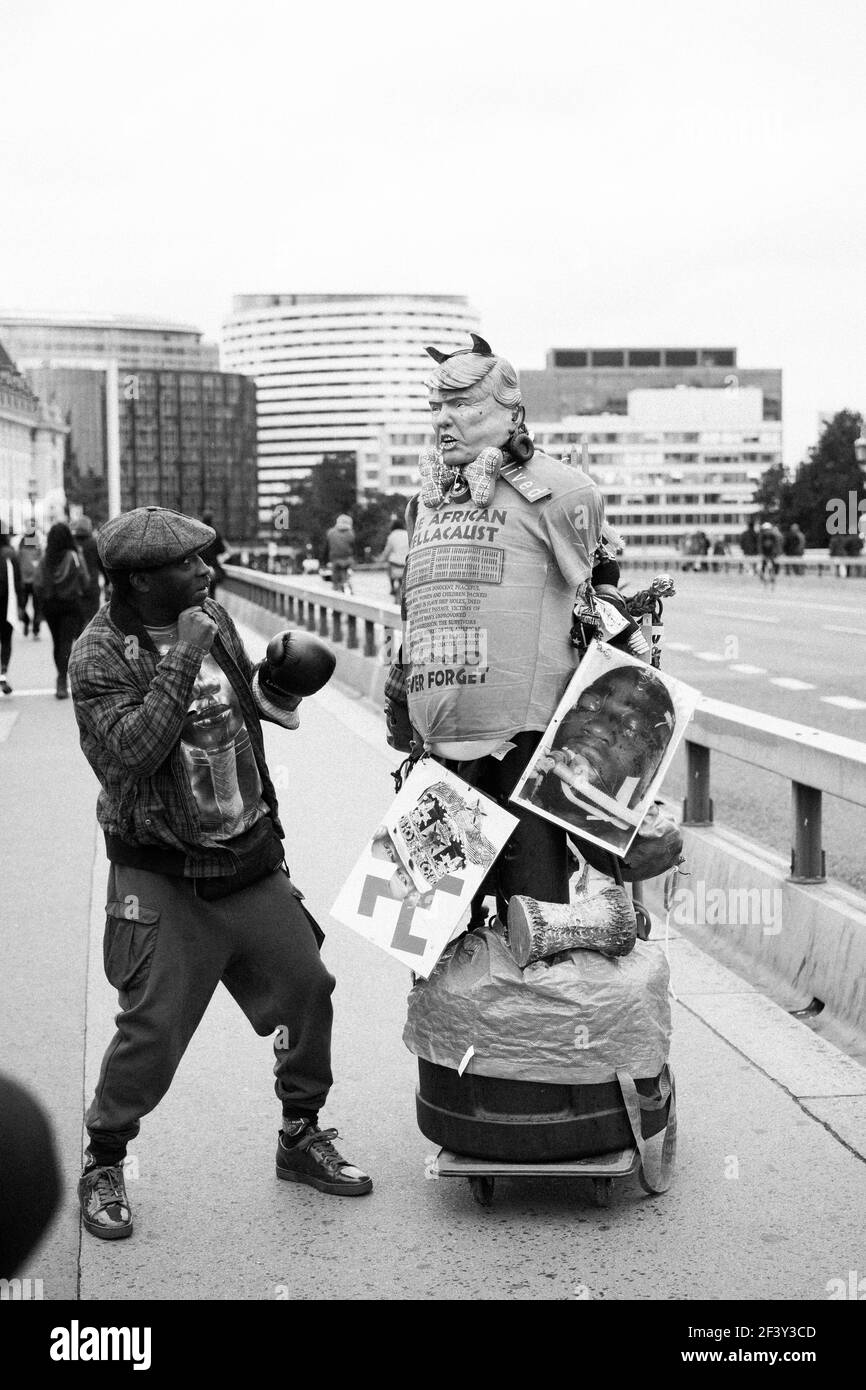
[[131, 705]]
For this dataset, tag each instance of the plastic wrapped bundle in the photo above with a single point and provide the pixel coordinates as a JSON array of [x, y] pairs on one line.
[[573, 1019]]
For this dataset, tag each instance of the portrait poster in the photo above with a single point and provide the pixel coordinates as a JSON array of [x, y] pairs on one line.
[[603, 757], [411, 890]]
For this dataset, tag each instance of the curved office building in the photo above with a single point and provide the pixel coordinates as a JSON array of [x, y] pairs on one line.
[[334, 372]]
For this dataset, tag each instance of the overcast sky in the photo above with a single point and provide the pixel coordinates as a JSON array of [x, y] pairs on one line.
[[608, 174]]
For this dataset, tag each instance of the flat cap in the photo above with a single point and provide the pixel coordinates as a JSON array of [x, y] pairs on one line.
[[148, 537]]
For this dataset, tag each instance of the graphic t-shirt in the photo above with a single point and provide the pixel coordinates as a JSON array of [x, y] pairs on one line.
[[489, 594], [216, 750]]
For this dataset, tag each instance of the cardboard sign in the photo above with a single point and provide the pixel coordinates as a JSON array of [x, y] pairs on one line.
[[412, 888]]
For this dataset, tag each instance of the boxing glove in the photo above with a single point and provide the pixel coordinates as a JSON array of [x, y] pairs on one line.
[[297, 664]]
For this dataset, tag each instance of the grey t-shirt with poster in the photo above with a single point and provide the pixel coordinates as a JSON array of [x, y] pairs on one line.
[[489, 597], [217, 754]]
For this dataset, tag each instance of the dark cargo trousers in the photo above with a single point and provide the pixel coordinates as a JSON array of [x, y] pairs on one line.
[[166, 950]]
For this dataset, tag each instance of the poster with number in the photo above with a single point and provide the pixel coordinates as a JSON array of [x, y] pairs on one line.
[[411, 890]]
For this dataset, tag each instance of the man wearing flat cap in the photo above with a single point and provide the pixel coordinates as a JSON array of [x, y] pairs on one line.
[[502, 536], [169, 710]]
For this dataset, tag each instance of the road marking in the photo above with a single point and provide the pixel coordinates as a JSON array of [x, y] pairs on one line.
[[844, 701], [678, 646], [779, 599], [746, 670], [709, 656], [42, 690], [854, 631], [741, 617], [790, 683], [7, 719]]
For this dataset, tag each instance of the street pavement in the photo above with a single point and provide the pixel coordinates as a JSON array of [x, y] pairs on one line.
[[766, 1203]]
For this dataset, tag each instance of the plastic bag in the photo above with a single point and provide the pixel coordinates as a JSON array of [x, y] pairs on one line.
[[574, 1019]]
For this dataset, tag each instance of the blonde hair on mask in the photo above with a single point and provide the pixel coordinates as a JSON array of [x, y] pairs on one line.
[[468, 369]]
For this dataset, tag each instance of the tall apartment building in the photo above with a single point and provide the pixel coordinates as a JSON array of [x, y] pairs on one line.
[[150, 394], [333, 372]]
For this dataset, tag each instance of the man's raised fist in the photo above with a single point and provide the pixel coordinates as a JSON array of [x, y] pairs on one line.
[[194, 625]]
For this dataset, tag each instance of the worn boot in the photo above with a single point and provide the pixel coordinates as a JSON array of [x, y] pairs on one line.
[[105, 1209], [604, 922]]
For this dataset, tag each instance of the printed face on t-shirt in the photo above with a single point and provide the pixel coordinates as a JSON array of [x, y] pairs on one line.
[[465, 422]]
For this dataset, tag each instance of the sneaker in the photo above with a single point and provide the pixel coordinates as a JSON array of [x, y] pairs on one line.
[[62, 691], [305, 1154], [105, 1208], [5, 686]]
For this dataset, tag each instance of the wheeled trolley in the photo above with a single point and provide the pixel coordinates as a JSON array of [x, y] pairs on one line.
[[603, 1171], [490, 1127]]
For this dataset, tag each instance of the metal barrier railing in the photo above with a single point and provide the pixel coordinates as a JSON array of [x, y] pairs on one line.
[[800, 566], [637, 558], [357, 623], [814, 762]]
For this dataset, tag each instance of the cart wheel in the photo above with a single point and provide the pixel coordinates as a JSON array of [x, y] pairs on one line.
[[482, 1190], [601, 1191]]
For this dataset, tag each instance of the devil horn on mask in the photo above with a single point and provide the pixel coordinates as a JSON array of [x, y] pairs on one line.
[[479, 346]]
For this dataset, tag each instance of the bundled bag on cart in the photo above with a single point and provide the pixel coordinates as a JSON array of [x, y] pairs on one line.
[[562, 1059]]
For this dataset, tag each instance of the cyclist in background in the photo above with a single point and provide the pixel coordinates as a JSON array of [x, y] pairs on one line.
[[394, 555]]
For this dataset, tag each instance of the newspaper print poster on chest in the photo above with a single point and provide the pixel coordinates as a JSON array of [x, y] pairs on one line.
[[489, 593]]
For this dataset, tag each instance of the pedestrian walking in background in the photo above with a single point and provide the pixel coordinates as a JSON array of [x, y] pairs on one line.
[[770, 548], [837, 553], [87, 549], [11, 606], [62, 582], [214, 555], [339, 551], [794, 545], [702, 548], [30, 550], [720, 549], [749, 547]]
